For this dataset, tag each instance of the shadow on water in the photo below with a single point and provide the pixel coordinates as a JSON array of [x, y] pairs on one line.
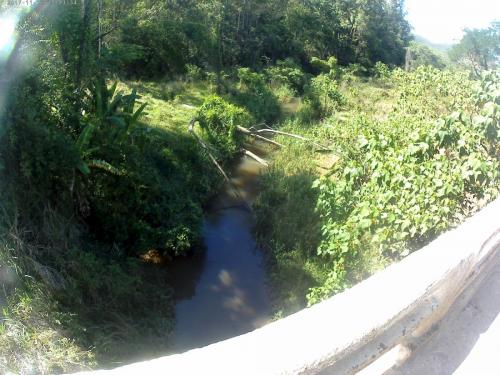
[[221, 293]]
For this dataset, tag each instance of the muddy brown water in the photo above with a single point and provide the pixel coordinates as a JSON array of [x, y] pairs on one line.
[[221, 292]]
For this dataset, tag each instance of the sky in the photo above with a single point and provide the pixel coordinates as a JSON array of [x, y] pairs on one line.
[[443, 21]]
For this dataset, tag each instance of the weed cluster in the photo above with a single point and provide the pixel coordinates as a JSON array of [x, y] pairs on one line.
[[391, 183]]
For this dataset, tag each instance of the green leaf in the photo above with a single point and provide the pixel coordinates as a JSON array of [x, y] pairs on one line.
[[137, 113], [118, 121], [365, 223], [112, 90], [84, 168], [83, 140]]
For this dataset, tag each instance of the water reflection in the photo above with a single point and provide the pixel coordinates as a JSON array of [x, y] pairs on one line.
[[184, 274], [230, 296]]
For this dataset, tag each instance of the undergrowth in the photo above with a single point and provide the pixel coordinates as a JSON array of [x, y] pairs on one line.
[[411, 154], [79, 295]]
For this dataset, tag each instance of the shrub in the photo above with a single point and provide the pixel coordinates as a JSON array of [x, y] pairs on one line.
[[322, 97], [381, 70], [430, 93], [194, 73], [329, 66], [254, 95], [356, 70], [286, 73], [219, 120], [394, 192]]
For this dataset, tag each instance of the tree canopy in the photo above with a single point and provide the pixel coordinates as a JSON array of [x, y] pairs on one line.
[[160, 37], [479, 49]]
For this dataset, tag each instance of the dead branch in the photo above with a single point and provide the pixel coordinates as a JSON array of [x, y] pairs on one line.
[[200, 141], [257, 136], [255, 157], [269, 130]]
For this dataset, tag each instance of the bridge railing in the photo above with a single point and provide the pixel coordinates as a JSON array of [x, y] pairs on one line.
[[399, 306]]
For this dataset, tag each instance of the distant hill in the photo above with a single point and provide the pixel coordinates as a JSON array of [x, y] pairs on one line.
[[442, 47]]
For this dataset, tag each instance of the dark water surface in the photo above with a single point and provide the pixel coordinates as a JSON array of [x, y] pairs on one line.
[[221, 293]]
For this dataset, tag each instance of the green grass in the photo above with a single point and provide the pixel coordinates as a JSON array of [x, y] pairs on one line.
[[34, 336], [287, 225], [170, 105]]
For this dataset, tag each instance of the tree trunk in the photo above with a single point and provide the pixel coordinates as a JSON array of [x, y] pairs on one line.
[[83, 48]]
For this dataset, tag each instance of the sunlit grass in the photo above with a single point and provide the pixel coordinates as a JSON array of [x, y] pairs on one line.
[[169, 104]]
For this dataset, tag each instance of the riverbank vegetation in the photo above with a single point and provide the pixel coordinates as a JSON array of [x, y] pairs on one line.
[[411, 155], [102, 175]]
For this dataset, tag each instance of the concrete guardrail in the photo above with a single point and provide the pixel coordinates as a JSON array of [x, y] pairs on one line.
[[400, 306]]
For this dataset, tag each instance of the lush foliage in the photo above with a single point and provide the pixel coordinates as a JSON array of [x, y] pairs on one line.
[[254, 94], [479, 49], [93, 178], [419, 55], [98, 167], [157, 38], [288, 73], [392, 183], [324, 95], [219, 120]]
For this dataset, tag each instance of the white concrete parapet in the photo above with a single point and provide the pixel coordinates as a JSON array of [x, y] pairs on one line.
[[398, 306]]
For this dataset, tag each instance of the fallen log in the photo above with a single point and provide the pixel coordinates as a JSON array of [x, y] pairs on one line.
[[257, 136], [200, 141], [255, 157], [268, 130]]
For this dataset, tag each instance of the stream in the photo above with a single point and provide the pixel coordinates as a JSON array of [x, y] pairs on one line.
[[221, 293]]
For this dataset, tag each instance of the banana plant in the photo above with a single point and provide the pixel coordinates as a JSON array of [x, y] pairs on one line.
[[110, 111]]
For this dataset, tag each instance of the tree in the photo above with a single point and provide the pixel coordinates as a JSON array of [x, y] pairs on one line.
[[419, 54], [479, 49]]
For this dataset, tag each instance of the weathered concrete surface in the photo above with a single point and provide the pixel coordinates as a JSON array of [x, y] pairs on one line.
[[342, 335], [468, 339]]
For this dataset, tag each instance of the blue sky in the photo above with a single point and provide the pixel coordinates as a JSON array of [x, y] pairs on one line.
[[442, 21]]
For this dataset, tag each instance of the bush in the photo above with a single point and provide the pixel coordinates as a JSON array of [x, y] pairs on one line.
[[102, 189], [381, 71], [254, 95], [286, 73], [194, 73], [356, 70], [322, 98], [219, 120], [329, 66], [396, 182], [117, 176], [400, 187]]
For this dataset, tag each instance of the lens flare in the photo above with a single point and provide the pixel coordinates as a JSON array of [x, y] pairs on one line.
[[7, 35]]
